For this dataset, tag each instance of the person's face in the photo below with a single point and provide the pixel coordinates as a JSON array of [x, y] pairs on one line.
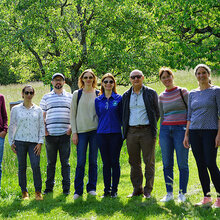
[[28, 93], [108, 84], [167, 79], [136, 79], [58, 82], [88, 79], [202, 75]]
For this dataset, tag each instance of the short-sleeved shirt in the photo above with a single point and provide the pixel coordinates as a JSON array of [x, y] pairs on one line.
[[57, 108], [204, 108]]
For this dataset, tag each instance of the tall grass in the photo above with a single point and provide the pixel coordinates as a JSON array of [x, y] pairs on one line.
[[57, 206]]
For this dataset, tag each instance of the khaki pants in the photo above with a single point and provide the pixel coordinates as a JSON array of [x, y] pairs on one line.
[[141, 140]]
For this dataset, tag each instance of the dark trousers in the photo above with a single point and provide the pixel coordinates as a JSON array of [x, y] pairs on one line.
[[110, 148], [205, 153], [141, 140], [22, 149], [53, 145]]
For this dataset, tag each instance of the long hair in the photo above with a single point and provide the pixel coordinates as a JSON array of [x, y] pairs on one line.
[[165, 69], [80, 80], [108, 75]]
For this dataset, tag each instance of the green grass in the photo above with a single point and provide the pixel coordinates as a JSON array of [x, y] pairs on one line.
[[57, 206]]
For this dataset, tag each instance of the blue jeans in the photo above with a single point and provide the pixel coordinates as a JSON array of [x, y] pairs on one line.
[[53, 145], [2, 140], [83, 140], [171, 137], [110, 148], [22, 149], [205, 153]]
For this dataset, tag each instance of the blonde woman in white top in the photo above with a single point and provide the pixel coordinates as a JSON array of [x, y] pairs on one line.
[[26, 135], [84, 124]]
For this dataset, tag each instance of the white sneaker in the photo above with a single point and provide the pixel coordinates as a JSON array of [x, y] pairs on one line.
[[92, 193], [76, 196], [181, 198], [167, 198]]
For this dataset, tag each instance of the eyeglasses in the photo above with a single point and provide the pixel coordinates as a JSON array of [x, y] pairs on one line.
[[26, 93], [110, 81], [86, 77], [136, 76]]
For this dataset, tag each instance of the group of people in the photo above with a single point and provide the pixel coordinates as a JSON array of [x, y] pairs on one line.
[[95, 117]]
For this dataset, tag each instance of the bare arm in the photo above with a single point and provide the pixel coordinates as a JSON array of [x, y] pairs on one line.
[[217, 139], [186, 138]]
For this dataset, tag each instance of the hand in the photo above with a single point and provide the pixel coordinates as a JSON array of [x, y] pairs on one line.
[[75, 138], [3, 134], [69, 131], [37, 149], [217, 141], [13, 147], [46, 132], [186, 142]]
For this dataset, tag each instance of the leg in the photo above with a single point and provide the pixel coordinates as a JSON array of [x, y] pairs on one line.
[[115, 142], [167, 149], [81, 161], [93, 154], [2, 140], [22, 150], [195, 137], [134, 152], [182, 157], [64, 151], [35, 165], [147, 143], [103, 143], [51, 149], [210, 152]]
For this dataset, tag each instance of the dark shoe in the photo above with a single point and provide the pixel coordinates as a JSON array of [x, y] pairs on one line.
[[138, 193], [25, 195], [106, 194], [147, 195], [66, 192], [47, 191], [114, 194]]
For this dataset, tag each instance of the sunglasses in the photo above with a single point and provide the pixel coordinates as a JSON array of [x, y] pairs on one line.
[[26, 93], [136, 76], [86, 77], [110, 81]]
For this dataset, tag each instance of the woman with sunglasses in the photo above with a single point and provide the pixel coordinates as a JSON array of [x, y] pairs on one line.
[[173, 113], [84, 123], [26, 135], [109, 138]]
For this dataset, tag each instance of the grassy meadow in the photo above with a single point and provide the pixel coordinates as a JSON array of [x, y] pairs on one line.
[[57, 206]]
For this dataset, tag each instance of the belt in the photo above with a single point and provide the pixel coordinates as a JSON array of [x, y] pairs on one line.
[[139, 126]]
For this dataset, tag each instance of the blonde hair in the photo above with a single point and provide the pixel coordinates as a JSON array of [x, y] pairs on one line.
[[108, 75], [165, 69], [80, 80]]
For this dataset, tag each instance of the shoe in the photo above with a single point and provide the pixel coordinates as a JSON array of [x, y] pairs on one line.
[[167, 198], [25, 195], [106, 194], [114, 195], [38, 196], [147, 195], [76, 196], [217, 203], [66, 192], [138, 193], [92, 193], [181, 198], [47, 191], [207, 201]]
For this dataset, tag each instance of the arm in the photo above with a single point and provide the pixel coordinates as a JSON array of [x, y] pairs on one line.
[[12, 129], [45, 127], [161, 111], [4, 119], [186, 138], [73, 111], [156, 106], [217, 139]]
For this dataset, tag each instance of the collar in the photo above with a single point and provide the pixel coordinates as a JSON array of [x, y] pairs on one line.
[[63, 93], [132, 91], [113, 95], [170, 90]]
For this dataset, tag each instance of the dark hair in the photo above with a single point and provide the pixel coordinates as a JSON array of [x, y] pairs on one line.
[[108, 75], [23, 90]]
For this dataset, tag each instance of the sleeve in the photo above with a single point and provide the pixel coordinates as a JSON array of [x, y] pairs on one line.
[[156, 105], [120, 110], [161, 110], [43, 104], [41, 127], [12, 126], [73, 111], [97, 107], [189, 107], [4, 115], [185, 95], [218, 100]]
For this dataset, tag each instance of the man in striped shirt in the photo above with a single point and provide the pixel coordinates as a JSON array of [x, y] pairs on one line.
[[56, 108]]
